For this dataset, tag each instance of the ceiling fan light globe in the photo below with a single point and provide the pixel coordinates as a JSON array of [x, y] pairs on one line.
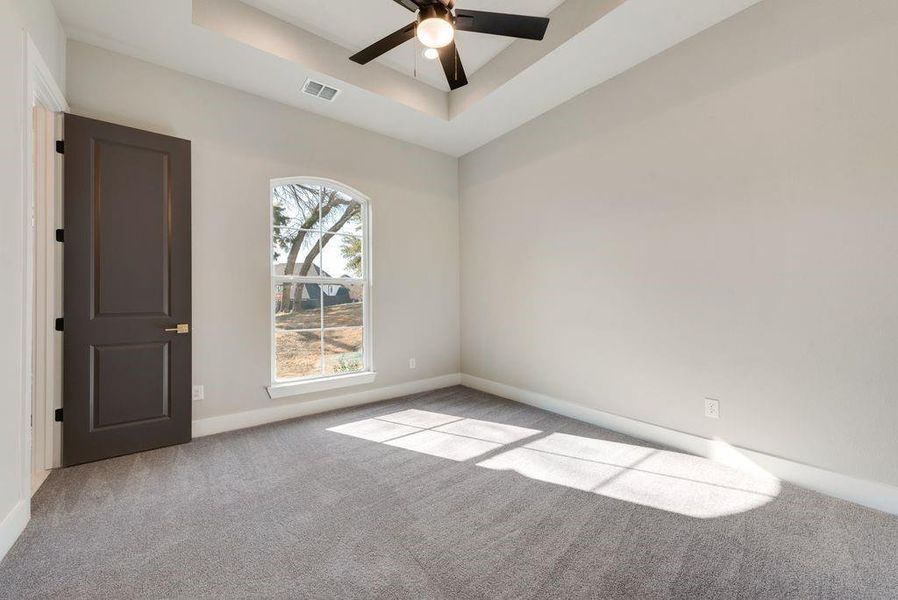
[[435, 32]]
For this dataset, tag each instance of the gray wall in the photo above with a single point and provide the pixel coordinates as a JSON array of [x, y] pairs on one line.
[[720, 221], [240, 142]]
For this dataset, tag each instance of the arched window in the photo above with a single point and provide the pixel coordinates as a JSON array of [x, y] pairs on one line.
[[320, 280]]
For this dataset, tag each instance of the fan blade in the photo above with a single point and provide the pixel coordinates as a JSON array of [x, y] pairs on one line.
[[455, 72], [385, 45], [517, 26], [409, 4]]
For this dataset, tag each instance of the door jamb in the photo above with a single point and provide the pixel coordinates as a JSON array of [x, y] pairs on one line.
[[40, 89]]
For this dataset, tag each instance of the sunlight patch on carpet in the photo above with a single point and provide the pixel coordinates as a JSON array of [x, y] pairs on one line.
[[662, 479]]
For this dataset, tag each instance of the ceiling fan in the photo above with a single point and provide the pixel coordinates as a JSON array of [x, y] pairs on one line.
[[435, 27]]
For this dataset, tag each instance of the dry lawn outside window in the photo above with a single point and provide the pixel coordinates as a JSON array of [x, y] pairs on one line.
[[298, 349]]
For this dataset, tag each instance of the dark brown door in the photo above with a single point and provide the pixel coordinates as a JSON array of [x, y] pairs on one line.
[[127, 380]]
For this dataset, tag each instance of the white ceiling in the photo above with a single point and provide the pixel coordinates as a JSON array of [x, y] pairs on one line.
[[238, 45], [355, 24]]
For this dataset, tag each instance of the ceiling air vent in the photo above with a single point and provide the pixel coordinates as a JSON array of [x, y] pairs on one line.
[[319, 90]]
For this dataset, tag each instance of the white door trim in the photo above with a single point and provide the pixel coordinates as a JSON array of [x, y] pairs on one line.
[[40, 88], [44, 135]]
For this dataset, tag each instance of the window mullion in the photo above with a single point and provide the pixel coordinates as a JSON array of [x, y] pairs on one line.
[[323, 280], [321, 304], [320, 274]]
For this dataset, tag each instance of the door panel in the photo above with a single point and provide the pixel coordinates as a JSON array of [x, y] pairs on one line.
[[136, 230], [138, 372], [127, 279]]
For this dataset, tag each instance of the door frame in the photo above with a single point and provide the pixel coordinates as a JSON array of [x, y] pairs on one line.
[[40, 89]]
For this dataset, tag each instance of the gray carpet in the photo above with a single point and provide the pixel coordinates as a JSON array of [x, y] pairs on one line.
[[398, 504]]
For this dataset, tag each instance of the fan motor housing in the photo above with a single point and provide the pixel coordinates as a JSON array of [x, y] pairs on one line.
[[436, 11]]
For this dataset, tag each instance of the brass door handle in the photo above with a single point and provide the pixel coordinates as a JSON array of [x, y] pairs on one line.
[[181, 328]]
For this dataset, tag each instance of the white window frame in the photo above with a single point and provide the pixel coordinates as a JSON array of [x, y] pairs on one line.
[[280, 388]]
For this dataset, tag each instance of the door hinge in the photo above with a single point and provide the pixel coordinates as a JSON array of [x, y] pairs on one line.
[[57, 415], [60, 235], [60, 324], [60, 146]]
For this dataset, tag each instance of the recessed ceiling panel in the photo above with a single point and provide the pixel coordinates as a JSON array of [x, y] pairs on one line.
[[354, 24]]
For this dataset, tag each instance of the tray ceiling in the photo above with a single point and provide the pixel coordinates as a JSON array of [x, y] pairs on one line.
[[270, 47], [354, 24]]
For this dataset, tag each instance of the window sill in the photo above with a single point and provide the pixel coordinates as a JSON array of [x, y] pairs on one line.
[[294, 388]]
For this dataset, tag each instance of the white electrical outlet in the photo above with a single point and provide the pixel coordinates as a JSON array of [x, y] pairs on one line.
[[712, 408], [198, 392], [411, 363]]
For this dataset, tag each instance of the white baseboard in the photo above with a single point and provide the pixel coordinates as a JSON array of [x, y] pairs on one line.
[[13, 525], [872, 494], [280, 412]]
